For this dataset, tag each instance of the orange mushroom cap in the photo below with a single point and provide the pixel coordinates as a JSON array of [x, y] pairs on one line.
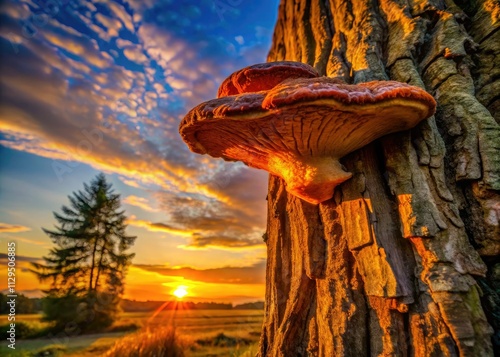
[[301, 127], [264, 76]]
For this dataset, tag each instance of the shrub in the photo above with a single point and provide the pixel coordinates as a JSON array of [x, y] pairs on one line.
[[161, 342], [251, 351], [222, 340], [90, 313], [124, 327], [23, 330]]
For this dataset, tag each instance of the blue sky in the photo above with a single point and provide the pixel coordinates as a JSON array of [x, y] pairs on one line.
[[90, 86]]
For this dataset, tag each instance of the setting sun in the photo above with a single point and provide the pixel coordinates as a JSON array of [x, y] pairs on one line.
[[180, 292]]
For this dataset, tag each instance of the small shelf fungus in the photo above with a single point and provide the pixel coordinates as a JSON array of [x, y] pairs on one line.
[[283, 118]]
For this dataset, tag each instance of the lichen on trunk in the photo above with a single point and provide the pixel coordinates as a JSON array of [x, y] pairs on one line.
[[390, 265]]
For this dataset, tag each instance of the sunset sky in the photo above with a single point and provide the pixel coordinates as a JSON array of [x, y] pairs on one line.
[[91, 86]]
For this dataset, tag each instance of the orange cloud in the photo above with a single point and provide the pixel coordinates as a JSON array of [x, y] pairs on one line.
[[253, 274], [121, 14], [140, 202], [12, 228], [157, 227], [30, 241], [112, 25], [199, 241], [25, 280]]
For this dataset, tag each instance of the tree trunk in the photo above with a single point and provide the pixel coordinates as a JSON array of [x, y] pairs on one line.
[[92, 266], [404, 259]]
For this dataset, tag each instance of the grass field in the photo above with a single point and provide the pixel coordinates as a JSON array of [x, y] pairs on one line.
[[205, 332]]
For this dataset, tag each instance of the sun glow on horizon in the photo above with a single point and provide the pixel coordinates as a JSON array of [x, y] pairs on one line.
[[180, 292]]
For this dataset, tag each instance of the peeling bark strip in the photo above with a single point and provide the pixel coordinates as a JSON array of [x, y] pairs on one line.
[[388, 266]]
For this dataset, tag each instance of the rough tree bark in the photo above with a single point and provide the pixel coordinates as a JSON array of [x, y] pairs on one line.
[[405, 259]]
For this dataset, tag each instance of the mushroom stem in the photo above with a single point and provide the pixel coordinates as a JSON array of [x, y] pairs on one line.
[[311, 178]]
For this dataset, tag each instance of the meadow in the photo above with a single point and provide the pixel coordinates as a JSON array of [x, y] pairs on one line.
[[215, 333]]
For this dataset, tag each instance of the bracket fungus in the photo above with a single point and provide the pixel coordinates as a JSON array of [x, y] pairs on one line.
[[283, 118]]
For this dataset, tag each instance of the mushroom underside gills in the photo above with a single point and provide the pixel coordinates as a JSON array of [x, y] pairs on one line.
[[284, 118], [302, 142]]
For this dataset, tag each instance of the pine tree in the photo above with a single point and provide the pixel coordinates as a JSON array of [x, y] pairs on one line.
[[87, 266]]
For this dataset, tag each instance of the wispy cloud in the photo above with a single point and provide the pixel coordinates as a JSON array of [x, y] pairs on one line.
[[19, 258], [254, 274], [207, 239], [24, 276], [12, 228], [140, 202], [157, 227], [29, 241], [112, 25], [199, 241], [123, 15]]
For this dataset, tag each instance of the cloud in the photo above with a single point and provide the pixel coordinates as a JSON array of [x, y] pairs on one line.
[[12, 228], [113, 26], [74, 95], [157, 227], [140, 202], [86, 129], [135, 54], [95, 30], [254, 274], [119, 12], [130, 182], [23, 265], [240, 40], [231, 243], [19, 258], [202, 234], [78, 45], [29, 241]]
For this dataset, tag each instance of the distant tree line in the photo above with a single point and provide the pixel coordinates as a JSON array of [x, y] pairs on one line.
[[258, 305], [136, 306], [24, 304]]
